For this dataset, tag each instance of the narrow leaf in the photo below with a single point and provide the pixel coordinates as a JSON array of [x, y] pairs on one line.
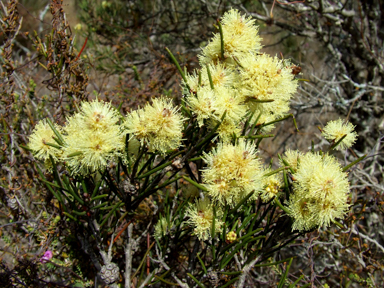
[[354, 163], [197, 281], [195, 184]]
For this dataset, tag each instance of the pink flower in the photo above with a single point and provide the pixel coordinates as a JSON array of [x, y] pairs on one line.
[[47, 256]]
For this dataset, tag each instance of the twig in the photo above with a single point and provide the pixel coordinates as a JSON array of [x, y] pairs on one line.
[[354, 231], [128, 257], [246, 271], [149, 277]]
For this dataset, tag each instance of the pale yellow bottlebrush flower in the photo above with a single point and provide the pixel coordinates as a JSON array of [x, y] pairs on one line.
[[201, 217], [136, 123], [203, 105], [329, 181], [265, 78], [158, 125], [299, 210], [328, 210], [220, 74], [232, 172], [88, 151], [330, 190], [309, 213], [226, 129], [292, 157], [98, 115], [323, 187], [228, 100], [41, 135], [93, 116], [335, 130], [309, 165], [93, 138], [210, 104], [240, 37], [161, 228]]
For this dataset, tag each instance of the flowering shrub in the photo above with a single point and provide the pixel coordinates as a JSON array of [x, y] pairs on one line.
[[199, 165]]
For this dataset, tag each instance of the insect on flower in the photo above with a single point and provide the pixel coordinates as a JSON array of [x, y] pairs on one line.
[[295, 69]]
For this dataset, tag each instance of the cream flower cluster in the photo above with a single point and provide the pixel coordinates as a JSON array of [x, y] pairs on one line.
[[239, 83], [240, 37], [201, 216], [336, 130], [268, 85], [40, 139], [244, 81], [158, 125], [232, 172], [90, 140], [320, 190], [93, 138]]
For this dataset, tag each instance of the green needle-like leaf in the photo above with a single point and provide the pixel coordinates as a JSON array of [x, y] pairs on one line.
[[178, 67], [210, 77], [354, 163], [195, 184], [197, 281], [282, 280]]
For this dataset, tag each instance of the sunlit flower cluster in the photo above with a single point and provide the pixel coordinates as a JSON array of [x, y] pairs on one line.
[[320, 193], [233, 171], [159, 126], [92, 137], [267, 84], [236, 95], [89, 141], [238, 84], [243, 83], [221, 75], [240, 36], [335, 130], [200, 216], [40, 139]]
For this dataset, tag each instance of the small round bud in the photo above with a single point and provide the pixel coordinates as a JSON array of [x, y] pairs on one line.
[[231, 237]]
